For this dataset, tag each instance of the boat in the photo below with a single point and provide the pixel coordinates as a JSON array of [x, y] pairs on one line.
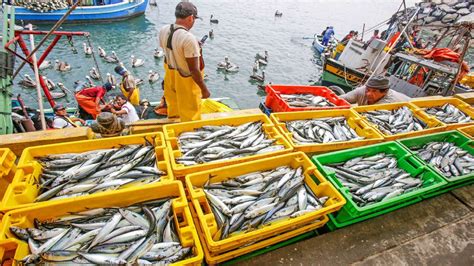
[[318, 39], [113, 10]]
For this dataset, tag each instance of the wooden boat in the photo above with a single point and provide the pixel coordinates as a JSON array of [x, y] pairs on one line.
[[317, 43], [113, 10]]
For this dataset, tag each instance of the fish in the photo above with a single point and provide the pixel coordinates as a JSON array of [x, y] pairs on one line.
[[322, 130], [379, 181], [276, 195], [58, 240], [217, 143], [451, 160], [76, 174], [306, 100], [396, 121], [449, 114]]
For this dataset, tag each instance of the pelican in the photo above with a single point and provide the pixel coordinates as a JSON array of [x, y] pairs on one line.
[[231, 68], [90, 83], [87, 49], [102, 52], [93, 73], [262, 56], [153, 3], [256, 66], [57, 95], [137, 62], [158, 53], [61, 66], [278, 14], [211, 34], [138, 81], [45, 64], [28, 82], [153, 76], [263, 62], [111, 58], [223, 64], [258, 78], [213, 20], [111, 79], [49, 83]]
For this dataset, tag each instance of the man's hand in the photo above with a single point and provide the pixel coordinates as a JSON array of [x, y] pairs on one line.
[[205, 93]]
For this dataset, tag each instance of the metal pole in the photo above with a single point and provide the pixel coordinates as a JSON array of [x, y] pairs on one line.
[[38, 86], [56, 26], [466, 47], [363, 29]]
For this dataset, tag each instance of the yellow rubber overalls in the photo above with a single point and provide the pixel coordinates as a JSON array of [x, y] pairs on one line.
[[135, 97]]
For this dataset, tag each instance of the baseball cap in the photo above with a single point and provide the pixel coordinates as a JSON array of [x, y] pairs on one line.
[[186, 9], [58, 107], [378, 82]]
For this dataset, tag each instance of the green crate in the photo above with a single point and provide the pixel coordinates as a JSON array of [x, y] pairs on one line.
[[351, 213], [455, 137]]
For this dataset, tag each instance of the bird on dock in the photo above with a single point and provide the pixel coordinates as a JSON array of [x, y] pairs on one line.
[[111, 79], [58, 95], [93, 73], [89, 82], [61, 66], [111, 58], [87, 49], [211, 34], [49, 83], [153, 76], [136, 62], [102, 52], [213, 20], [158, 53], [258, 78], [27, 81], [44, 65], [278, 14]]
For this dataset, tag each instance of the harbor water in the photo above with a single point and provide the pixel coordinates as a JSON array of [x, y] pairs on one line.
[[245, 27]]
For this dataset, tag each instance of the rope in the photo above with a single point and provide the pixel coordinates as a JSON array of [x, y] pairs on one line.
[[95, 60]]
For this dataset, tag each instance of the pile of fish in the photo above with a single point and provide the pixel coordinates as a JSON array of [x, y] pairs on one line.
[[322, 130], [439, 12], [396, 121], [44, 6], [305, 100], [138, 234], [451, 160], [214, 143], [449, 114], [374, 179], [77, 174], [249, 201]]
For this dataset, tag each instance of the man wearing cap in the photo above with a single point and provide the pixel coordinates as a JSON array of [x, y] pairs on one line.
[[62, 119], [89, 100], [183, 83], [128, 86], [376, 91]]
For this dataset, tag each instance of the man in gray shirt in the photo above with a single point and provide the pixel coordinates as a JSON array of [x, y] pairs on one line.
[[376, 91]]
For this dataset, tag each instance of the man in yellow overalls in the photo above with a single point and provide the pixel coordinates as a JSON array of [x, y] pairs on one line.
[[183, 82], [128, 86]]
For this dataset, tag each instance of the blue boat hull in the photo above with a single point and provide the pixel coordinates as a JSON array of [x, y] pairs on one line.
[[105, 13]]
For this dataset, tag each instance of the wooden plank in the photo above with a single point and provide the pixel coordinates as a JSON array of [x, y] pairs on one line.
[[18, 142], [467, 97]]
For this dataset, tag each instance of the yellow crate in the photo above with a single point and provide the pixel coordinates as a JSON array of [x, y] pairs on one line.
[[8, 249], [181, 214], [468, 131], [462, 106], [434, 125], [319, 185], [173, 131], [216, 258], [23, 191], [7, 170], [353, 120]]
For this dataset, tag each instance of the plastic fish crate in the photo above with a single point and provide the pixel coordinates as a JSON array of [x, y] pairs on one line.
[[23, 191], [181, 214], [434, 125], [455, 137], [462, 106], [353, 120], [260, 247], [173, 131], [265, 109], [319, 185], [468, 131], [276, 103], [351, 212], [7, 169]]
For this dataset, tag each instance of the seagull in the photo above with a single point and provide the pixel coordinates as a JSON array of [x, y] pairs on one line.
[[278, 14], [45, 64], [61, 66], [87, 49], [93, 73], [211, 34], [57, 95], [258, 78], [153, 76], [213, 20], [111, 58], [102, 52], [49, 83], [111, 79], [137, 62], [158, 53], [28, 82], [90, 83]]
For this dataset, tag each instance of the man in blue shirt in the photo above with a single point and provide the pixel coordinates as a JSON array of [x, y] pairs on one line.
[[327, 36]]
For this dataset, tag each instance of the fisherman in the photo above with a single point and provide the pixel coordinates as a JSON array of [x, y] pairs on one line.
[[128, 85], [376, 91], [374, 37], [327, 35], [89, 100], [62, 119], [183, 83], [125, 110], [324, 31], [349, 36]]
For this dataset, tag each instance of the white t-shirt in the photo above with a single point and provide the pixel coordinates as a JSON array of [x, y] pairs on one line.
[[131, 116], [58, 122], [184, 44]]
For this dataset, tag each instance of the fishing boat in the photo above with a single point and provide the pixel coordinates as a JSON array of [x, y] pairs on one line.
[[107, 11], [319, 47]]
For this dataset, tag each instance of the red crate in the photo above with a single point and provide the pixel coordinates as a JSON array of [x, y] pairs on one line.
[[277, 104]]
